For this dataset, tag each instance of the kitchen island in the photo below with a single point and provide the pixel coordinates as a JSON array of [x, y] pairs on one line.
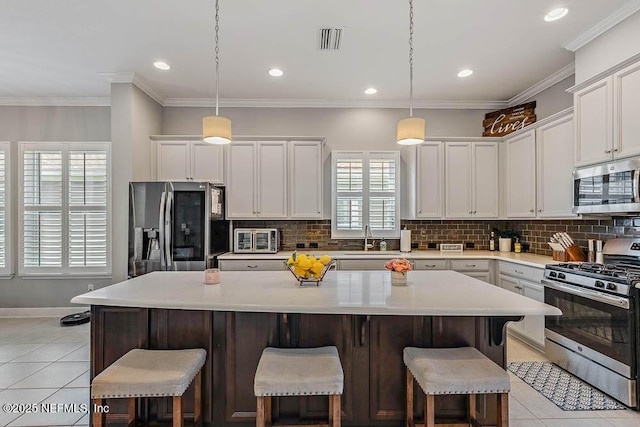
[[359, 312]]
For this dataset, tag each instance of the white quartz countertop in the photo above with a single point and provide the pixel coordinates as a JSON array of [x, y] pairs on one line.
[[531, 260], [428, 293]]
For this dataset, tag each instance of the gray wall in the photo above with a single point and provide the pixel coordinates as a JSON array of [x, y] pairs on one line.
[[554, 99], [146, 120], [609, 49], [48, 124]]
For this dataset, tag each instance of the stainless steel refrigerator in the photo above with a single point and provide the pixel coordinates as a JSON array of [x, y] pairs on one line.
[[175, 226]]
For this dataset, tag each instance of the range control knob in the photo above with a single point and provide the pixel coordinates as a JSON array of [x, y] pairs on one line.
[[599, 284], [561, 276], [612, 286], [552, 274]]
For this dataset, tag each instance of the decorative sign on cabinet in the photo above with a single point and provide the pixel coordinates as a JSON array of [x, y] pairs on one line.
[[503, 122]]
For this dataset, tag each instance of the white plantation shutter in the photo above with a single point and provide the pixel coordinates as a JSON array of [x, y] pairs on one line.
[[366, 192], [349, 186], [3, 206], [88, 193], [65, 208]]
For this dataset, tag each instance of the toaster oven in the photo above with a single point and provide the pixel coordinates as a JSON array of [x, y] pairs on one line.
[[256, 240]]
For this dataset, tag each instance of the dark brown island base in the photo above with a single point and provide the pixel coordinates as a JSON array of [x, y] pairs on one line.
[[368, 320]]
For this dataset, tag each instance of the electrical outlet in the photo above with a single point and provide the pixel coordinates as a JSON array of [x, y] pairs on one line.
[[414, 245], [299, 245], [431, 245], [470, 245], [313, 245], [90, 287]]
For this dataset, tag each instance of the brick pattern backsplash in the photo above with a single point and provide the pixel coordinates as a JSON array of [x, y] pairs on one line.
[[534, 232]]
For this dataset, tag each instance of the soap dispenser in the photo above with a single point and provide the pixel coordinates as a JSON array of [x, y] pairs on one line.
[[383, 245]]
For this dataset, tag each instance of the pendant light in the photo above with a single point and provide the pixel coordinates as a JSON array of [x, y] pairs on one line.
[[216, 129], [411, 130]]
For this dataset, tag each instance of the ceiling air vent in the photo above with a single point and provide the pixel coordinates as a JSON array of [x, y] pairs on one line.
[[330, 38]]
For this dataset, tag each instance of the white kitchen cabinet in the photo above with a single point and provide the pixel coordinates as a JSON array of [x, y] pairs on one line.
[[626, 104], [190, 161], [521, 176], [430, 180], [305, 180], [471, 184], [257, 180], [527, 283], [593, 107], [512, 285], [554, 154]]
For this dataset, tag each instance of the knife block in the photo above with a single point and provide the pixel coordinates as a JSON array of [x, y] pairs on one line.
[[559, 256], [575, 253]]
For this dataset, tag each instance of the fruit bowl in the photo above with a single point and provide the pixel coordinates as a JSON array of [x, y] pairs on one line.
[[307, 269], [312, 280]]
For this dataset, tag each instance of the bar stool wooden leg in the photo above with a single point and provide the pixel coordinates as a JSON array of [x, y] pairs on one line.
[[98, 415], [503, 410], [131, 418], [260, 412], [197, 405], [330, 411], [336, 411], [409, 418], [472, 407], [429, 411], [267, 411], [177, 411]]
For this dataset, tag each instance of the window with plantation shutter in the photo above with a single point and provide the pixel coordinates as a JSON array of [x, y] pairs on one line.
[[65, 208], [365, 192], [6, 263]]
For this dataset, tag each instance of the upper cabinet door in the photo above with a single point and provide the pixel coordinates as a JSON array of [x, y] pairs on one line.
[[520, 177], [173, 161], [626, 107], [305, 179], [430, 182], [593, 123], [272, 179], [458, 179], [485, 179], [554, 143], [207, 162], [241, 180]]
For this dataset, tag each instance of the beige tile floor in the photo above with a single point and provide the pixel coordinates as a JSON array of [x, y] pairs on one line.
[[41, 362]]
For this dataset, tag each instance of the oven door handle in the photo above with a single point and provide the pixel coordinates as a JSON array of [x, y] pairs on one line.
[[635, 185], [589, 294]]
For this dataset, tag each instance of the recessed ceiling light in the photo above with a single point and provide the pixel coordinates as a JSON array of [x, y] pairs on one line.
[[160, 65], [556, 14], [371, 91], [275, 72], [465, 73]]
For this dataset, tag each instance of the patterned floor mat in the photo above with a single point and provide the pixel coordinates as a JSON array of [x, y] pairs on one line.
[[566, 391]]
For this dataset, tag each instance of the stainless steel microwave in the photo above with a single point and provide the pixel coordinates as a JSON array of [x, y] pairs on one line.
[[256, 240], [611, 188]]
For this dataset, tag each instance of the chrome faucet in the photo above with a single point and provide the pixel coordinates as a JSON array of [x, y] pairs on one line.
[[367, 236]]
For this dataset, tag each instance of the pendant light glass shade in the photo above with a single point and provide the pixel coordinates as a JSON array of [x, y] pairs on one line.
[[216, 130], [411, 131]]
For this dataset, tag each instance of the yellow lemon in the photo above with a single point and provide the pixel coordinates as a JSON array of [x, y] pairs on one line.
[[303, 263], [290, 261], [317, 275], [298, 271], [325, 259], [317, 267], [313, 260]]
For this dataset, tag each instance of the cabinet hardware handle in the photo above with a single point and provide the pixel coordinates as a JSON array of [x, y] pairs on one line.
[[607, 151], [252, 266], [539, 210], [615, 150], [469, 265], [470, 212], [430, 265], [518, 287], [519, 272], [474, 212], [363, 336]]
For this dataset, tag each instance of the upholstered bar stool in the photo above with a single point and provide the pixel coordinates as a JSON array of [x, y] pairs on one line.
[[150, 373], [455, 371], [298, 372]]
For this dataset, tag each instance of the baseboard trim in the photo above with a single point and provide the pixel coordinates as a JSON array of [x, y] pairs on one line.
[[41, 311], [526, 340]]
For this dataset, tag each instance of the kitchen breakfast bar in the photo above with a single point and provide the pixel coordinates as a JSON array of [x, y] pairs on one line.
[[359, 312]]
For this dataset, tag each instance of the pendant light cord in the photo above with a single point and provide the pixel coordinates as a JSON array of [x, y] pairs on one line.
[[217, 52], [410, 58]]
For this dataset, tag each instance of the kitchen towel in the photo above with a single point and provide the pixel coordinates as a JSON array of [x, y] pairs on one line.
[[405, 240]]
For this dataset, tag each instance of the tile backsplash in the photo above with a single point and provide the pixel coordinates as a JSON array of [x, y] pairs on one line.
[[534, 232]]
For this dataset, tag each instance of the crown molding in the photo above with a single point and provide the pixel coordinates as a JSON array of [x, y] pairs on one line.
[[133, 78], [543, 84], [603, 26], [328, 103], [56, 101]]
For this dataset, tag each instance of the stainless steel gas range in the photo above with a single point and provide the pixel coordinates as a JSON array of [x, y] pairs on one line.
[[596, 336]]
